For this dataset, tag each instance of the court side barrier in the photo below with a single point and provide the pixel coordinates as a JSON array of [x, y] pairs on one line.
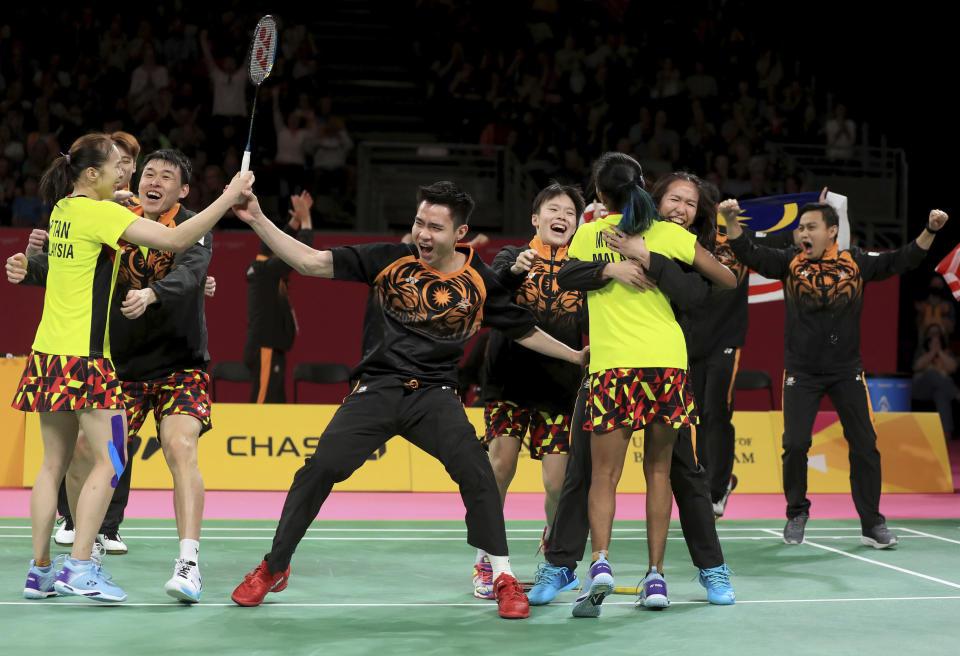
[[260, 447]]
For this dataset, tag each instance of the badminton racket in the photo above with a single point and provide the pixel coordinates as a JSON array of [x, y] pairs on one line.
[[263, 49]]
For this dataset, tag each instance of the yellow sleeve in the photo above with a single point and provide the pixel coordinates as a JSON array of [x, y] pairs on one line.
[[682, 243], [113, 219], [581, 245]]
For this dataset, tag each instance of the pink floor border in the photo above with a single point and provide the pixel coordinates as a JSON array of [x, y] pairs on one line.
[[15, 502], [413, 505]]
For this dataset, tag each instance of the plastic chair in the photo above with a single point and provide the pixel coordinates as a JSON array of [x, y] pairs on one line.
[[755, 379], [234, 372], [322, 373]]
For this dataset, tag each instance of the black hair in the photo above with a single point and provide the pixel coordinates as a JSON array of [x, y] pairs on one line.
[[447, 193], [175, 157], [555, 189], [619, 178], [830, 216], [89, 151], [704, 224]]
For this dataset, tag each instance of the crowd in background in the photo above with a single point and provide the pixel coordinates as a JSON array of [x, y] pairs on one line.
[[561, 83], [713, 94], [173, 78]]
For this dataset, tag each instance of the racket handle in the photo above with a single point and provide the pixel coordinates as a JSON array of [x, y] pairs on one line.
[[245, 164]]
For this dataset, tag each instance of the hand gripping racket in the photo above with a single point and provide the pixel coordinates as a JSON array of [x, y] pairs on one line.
[[263, 49]]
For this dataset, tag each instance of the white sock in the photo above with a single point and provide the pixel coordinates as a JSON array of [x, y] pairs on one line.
[[190, 550], [500, 565], [480, 554]]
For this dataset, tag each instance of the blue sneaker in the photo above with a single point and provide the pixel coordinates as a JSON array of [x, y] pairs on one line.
[[39, 583], [88, 579], [549, 581], [653, 590], [599, 585], [717, 582]]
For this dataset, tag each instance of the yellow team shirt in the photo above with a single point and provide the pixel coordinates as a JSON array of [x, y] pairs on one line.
[[83, 269], [630, 328]]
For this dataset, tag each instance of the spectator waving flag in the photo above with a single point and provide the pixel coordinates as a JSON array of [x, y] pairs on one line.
[[949, 268], [772, 214]]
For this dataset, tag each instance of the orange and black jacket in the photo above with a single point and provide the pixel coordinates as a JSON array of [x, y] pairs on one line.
[[172, 333], [824, 298], [515, 373], [417, 319], [270, 319]]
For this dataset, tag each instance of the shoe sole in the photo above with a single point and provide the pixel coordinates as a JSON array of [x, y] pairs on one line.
[[522, 615], [63, 544], [113, 552], [590, 604], [29, 593], [94, 595], [792, 541], [655, 601], [180, 593], [870, 542]]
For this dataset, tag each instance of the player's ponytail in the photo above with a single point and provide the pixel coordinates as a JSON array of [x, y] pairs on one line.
[[619, 178], [89, 151]]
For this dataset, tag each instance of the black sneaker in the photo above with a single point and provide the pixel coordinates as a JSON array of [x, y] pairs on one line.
[[878, 537], [793, 531]]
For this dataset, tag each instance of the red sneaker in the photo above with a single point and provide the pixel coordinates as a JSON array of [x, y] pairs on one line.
[[258, 583], [512, 604]]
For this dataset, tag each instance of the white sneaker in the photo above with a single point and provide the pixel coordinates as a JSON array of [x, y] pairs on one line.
[[65, 532], [112, 543], [185, 584], [720, 506]]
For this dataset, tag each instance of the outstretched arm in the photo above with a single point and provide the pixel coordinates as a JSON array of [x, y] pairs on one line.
[[302, 258], [153, 235], [878, 266], [208, 53]]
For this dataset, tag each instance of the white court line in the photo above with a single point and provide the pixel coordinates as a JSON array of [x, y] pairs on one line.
[[874, 562], [927, 535], [484, 606], [538, 531]]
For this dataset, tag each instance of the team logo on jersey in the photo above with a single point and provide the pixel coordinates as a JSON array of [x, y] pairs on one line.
[[833, 281], [540, 294], [441, 307], [138, 268]]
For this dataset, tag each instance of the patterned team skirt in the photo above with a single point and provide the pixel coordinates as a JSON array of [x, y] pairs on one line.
[[633, 398], [51, 383]]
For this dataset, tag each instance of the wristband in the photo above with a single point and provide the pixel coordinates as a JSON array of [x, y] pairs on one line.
[[931, 230]]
